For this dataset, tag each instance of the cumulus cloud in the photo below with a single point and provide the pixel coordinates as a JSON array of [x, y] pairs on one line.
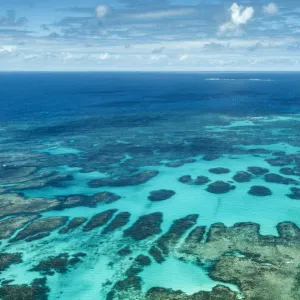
[[183, 57], [158, 57], [240, 15], [271, 9], [7, 49], [167, 13], [102, 11], [102, 56], [28, 57]]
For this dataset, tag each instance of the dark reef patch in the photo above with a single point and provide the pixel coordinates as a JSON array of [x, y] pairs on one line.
[[12, 175], [261, 191], [38, 236], [124, 251], [73, 224], [220, 187], [242, 177], [295, 193], [45, 179], [161, 195], [129, 283], [41, 226], [179, 163], [89, 201], [219, 170], [219, 292], [8, 259], [280, 161], [143, 260], [157, 254], [211, 157], [136, 179], [99, 220], [200, 180], [36, 291], [278, 153], [119, 221], [12, 204], [9, 226], [195, 236], [287, 171], [288, 231], [145, 227], [275, 178], [167, 241], [59, 264], [258, 170]]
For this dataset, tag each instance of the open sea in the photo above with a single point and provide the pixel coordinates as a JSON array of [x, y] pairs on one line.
[[149, 186]]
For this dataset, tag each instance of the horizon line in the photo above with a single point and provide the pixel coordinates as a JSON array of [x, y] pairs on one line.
[[149, 71]]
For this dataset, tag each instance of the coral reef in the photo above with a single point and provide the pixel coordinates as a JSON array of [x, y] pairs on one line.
[[99, 220], [219, 187], [59, 264], [136, 179], [42, 226], [145, 226], [9, 226], [8, 259], [36, 291], [261, 191], [160, 195], [12, 204]]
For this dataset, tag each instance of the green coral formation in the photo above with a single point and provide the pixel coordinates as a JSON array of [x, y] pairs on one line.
[[218, 293], [8, 259], [263, 267], [12, 204], [37, 290], [9, 226], [42, 226], [60, 263]]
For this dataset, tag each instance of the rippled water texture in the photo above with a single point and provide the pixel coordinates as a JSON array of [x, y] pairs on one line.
[[150, 186]]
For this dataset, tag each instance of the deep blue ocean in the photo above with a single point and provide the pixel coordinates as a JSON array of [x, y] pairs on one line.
[[38, 95]]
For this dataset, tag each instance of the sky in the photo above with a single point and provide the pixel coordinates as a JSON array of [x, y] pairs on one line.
[[149, 35]]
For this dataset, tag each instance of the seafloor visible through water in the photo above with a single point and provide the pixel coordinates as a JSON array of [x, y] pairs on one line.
[[150, 186]]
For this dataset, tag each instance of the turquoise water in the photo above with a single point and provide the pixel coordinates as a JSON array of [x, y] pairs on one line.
[[108, 145]]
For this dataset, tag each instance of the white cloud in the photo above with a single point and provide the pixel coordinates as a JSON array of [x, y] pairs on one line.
[[7, 49], [30, 56], [66, 56], [271, 9], [158, 57], [103, 56], [183, 57], [158, 14], [102, 11], [240, 15]]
